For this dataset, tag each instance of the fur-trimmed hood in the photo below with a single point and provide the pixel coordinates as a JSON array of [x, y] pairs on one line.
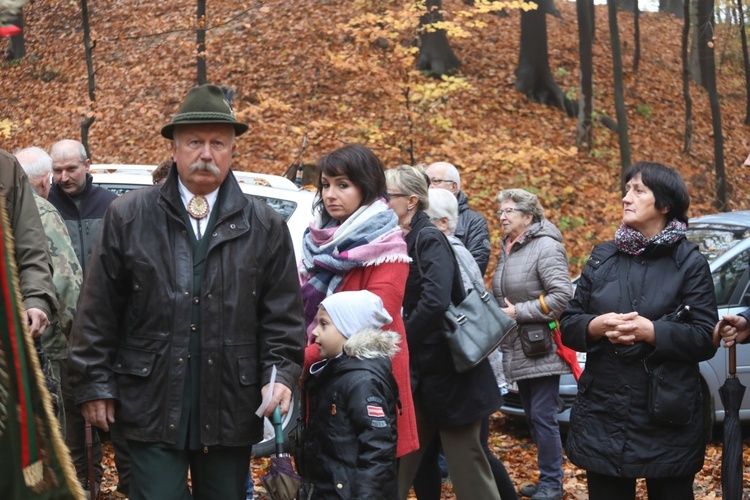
[[372, 343]]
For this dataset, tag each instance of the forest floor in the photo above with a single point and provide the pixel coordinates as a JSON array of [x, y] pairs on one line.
[[297, 70], [511, 442]]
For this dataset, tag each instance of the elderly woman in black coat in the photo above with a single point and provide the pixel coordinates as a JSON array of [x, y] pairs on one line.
[[446, 402], [644, 304]]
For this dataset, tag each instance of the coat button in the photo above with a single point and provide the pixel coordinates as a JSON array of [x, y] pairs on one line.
[[210, 361], [171, 426], [193, 328], [340, 486], [119, 365], [208, 427], [232, 226], [244, 377], [196, 300], [144, 370], [180, 360], [215, 235]]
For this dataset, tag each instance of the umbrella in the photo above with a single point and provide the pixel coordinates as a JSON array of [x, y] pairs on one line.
[[90, 460], [566, 353], [731, 394], [281, 482]]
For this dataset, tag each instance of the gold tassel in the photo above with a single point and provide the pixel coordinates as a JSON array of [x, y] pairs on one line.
[[33, 474]]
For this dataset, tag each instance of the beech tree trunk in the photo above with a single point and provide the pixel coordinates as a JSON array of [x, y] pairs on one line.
[[637, 36], [621, 113], [694, 61], [745, 59], [708, 64], [88, 49], [686, 80], [436, 57], [533, 75], [586, 90], [201, 43], [704, 27]]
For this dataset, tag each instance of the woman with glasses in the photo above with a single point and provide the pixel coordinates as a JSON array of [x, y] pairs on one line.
[[645, 303], [354, 243], [447, 403], [532, 285]]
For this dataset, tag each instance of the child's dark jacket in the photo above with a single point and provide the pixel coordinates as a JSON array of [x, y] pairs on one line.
[[350, 446]]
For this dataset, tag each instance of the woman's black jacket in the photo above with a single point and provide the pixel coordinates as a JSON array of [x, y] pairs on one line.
[[611, 431], [446, 398]]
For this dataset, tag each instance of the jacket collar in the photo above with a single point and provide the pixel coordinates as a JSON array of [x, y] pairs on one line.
[[463, 202], [84, 192], [231, 199]]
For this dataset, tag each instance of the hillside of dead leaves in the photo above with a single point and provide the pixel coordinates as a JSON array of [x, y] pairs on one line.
[[289, 65], [292, 70]]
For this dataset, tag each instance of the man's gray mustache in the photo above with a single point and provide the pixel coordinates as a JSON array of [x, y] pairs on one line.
[[203, 166]]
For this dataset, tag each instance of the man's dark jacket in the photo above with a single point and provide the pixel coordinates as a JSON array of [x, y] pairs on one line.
[[83, 220], [611, 431], [130, 338], [473, 232]]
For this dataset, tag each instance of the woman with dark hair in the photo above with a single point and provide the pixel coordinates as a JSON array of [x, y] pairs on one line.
[[643, 311], [447, 403], [354, 243]]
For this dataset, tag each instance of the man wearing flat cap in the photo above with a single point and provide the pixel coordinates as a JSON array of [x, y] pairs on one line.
[[190, 300]]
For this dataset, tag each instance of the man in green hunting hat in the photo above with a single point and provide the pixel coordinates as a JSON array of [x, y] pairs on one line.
[[203, 285]]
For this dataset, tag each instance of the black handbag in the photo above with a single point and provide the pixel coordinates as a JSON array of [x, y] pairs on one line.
[[474, 327], [536, 339]]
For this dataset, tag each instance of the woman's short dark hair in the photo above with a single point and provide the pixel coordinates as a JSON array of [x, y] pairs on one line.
[[363, 168], [666, 183]]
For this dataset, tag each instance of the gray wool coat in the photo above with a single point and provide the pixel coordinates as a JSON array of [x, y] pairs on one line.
[[537, 265]]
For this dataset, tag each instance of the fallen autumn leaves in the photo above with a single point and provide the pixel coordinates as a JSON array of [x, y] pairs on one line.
[[511, 442]]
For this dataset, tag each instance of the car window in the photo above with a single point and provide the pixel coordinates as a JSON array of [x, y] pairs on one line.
[[714, 242], [285, 208], [121, 189], [728, 277]]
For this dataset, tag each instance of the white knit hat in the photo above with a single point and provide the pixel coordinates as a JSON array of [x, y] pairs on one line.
[[352, 312]]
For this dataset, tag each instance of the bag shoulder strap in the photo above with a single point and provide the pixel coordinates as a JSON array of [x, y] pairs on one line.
[[457, 291]]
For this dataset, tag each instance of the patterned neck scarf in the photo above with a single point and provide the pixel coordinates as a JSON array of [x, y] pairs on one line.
[[632, 242], [370, 236]]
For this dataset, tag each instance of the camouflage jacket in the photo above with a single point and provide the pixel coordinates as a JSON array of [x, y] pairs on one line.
[[67, 279]]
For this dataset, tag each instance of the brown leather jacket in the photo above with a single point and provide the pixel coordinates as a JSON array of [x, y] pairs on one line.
[[130, 337]]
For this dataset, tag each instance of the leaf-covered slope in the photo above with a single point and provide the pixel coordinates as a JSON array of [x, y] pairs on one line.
[[295, 68]]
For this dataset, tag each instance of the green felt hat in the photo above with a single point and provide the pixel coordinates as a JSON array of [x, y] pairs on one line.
[[204, 105]]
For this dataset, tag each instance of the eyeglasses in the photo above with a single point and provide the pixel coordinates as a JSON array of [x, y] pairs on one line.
[[438, 181], [397, 195], [507, 211]]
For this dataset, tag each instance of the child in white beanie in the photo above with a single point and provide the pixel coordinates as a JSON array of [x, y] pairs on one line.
[[350, 446]]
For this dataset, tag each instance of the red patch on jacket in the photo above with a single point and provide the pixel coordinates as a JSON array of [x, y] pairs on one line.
[[375, 411]]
